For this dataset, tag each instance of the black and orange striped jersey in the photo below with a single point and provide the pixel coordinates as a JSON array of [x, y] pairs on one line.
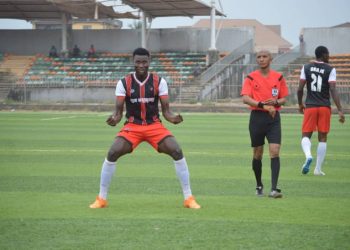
[[141, 98]]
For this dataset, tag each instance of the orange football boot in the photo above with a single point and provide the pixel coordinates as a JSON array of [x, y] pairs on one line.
[[190, 202], [99, 203]]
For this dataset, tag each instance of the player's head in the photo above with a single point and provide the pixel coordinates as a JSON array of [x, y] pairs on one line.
[[141, 52], [322, 54], [141, 58], [264, 59]]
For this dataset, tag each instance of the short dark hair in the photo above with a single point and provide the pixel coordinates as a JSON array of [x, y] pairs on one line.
[[320, 51], [141, 52]]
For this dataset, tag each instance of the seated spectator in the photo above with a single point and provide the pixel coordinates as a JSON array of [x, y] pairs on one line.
[[92, 51], [76, 51], [53, 52], [197, 70]]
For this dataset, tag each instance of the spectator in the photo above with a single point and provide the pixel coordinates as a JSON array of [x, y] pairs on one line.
[[197, 70], [76, 51], [53, 52], [302, 44], [92, 51]]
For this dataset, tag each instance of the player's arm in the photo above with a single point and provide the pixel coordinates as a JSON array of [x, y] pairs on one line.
[[300, 94], [336, 99], [117, 115], [168, 115], [300, 91]]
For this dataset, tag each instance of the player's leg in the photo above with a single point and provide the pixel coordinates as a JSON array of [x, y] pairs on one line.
[[169, 146], [321, 153], [323, 129], [309, 125], [119, 148]]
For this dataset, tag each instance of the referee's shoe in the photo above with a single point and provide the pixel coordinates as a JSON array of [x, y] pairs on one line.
[[276, 194]]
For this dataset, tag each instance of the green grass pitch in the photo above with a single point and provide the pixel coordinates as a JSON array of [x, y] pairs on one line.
[[49, 173]]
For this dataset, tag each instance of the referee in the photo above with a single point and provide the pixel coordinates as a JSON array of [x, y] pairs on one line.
[[264, 90]]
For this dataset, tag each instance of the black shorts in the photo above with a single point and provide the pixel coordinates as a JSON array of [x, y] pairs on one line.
[[262, 125]]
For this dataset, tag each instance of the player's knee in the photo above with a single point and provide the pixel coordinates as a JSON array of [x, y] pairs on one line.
[[112, 156], [177, 154]]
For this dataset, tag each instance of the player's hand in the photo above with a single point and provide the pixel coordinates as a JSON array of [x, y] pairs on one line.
[[112, 120], [341, 117], [177, 119], [271, 110], [301, 109]]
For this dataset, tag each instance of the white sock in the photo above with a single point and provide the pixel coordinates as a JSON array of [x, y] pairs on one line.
[[107, 172], [306, 146], [321, 153], [183, 176]]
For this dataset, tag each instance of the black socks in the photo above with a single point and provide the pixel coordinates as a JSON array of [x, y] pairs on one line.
[[275, 171], [257, 166]]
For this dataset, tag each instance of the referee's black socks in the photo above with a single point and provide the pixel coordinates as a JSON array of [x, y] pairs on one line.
[[257, 165], [275, 170]]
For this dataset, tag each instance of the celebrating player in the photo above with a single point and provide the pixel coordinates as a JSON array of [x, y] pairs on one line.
[[140, 92]]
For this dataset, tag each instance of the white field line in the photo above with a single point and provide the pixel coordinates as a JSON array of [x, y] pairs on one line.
[[69, 117], [224, 154]]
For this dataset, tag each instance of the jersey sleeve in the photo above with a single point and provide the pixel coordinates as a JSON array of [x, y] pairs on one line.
[[283, 88], [119, 89], [247, 89], [332, 76], [163, 87]]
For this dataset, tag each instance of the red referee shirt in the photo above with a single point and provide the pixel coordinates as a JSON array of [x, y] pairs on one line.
[[262, 88]]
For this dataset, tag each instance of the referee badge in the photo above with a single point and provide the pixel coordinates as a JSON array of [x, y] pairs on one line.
[[274, 92]]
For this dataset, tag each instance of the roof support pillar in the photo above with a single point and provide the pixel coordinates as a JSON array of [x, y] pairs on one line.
[[64, 32], [212, 26], [213, 53], [143, 30]]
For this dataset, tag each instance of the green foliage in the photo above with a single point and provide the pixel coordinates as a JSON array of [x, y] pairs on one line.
[[49, 173]]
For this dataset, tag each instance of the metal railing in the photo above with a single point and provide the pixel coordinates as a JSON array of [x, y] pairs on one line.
[[225, 85]]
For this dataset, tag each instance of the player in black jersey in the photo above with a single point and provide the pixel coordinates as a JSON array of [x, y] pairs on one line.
[[141, 92], [320, 80]]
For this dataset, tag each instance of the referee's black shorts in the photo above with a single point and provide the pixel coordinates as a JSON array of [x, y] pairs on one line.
[[262, 125]]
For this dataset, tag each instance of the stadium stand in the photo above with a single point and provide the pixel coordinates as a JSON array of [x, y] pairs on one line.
[[6, 77], [107, 68]]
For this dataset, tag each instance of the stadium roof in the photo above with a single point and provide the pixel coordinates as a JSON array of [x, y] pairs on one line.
[[166, 8], [53, 9]]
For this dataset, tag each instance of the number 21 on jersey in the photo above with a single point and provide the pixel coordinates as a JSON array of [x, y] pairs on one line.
[[316, 83]]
